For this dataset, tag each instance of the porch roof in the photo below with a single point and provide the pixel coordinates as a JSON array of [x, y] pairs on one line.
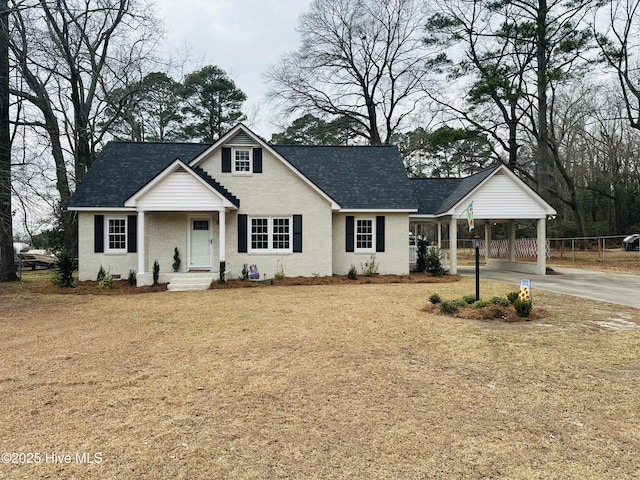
[[123, 168]]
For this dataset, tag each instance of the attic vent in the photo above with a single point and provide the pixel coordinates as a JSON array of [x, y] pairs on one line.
[[241, 138]]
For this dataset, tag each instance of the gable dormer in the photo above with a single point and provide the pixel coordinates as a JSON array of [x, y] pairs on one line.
[[241, 155]]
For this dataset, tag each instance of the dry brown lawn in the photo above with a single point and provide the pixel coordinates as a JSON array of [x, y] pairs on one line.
[[333, 381]]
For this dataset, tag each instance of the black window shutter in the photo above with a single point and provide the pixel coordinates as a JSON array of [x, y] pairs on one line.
[[226, 159], [257, 160], [297, 233], [242, 234], [98, 233], [350, 233], [380, 233], [132, 237]]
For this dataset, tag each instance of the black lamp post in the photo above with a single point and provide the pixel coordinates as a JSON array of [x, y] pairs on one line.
[[476, 246]]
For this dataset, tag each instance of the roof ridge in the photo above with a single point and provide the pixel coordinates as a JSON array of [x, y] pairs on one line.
[[131, 142], [328, 146]]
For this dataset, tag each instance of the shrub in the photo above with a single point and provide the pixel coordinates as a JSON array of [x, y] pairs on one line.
[[245, 272], [279, 275], [106, 282], [156, 272], [499, 301], [480, 304], [176, 259], [469, 299], [432, 262], [451, 306], [512, 297], [421, 262], [370, 268], [353, 274], [223, 270], [101, 274], [522, 307], [132, 278], [63, 275], [435, 299]]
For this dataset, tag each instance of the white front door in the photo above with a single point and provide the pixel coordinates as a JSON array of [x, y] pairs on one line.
[[200, 243]]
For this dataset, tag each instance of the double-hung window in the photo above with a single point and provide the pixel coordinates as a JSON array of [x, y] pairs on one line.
[[364, 234], [116, 235], [242, 160], [270, 234]]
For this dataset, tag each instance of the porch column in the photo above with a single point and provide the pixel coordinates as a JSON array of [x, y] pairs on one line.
[[140, 241], [222, 232], [439, 235], [487, 240], [453, 244], [512, 241], [541, 266]]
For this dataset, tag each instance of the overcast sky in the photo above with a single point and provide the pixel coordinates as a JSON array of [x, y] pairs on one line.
[[243, 37]]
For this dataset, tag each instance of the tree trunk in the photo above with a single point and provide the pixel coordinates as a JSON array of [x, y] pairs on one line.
[[544, 162], [7, 266]]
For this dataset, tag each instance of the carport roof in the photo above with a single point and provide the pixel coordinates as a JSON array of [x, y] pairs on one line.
[[438, 195]]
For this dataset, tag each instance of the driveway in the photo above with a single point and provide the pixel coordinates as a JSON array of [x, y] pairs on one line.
[[608, 287]]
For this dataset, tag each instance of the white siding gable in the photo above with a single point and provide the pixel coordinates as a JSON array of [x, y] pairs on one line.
[[179, 191], [501, 197]]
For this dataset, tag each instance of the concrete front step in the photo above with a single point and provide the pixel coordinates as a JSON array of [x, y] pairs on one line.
[[190, 281]]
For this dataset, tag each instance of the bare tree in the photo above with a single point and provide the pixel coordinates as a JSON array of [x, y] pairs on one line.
[[359, 59], [517, 52], [70, 56], [616, 27]]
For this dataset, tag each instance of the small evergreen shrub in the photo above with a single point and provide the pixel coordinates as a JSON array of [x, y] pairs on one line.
[[63, 275], [480, 304], [245, 272], [370, 267], [435, 299], [421, 262], [433, 265], [223, 272], [176, 259], [512, 297], [522, 307], [451, 306], [469, 299], [106, 282], [353, 273], [132, 278], [499, 301], [101, 274], [156, 272]]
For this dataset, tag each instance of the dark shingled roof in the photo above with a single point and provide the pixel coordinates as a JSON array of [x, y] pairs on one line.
[[437, 195], [217, 186], [356, 177], [123, 168]]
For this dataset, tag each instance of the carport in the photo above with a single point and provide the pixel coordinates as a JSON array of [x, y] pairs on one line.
[[492, 197]]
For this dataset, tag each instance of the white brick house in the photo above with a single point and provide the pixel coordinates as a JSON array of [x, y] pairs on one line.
[[307, 210]]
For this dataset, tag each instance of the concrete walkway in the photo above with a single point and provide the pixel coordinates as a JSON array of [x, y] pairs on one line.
[[607, 287]]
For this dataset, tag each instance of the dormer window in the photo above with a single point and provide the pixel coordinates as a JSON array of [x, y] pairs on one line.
[[242, 160]]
